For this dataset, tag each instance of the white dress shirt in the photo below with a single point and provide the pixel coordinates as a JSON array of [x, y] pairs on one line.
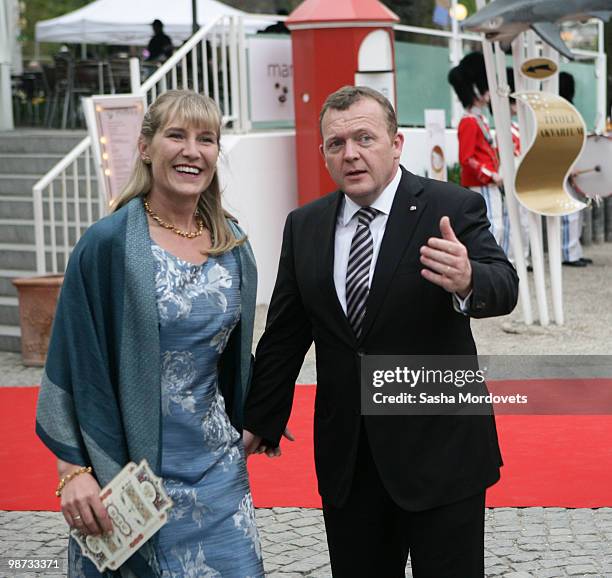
[[346, 225]]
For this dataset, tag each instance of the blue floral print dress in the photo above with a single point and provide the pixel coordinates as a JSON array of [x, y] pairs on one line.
[[211, 532]]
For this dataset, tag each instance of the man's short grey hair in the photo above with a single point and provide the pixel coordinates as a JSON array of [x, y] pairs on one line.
[[346, 96]]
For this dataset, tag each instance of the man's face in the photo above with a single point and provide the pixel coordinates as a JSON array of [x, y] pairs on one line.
[[359, 153]]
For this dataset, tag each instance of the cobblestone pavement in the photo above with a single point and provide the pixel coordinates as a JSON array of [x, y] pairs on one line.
[[520, 543], [15, 374]]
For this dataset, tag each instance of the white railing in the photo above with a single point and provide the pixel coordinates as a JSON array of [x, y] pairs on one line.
[[211, 62], [66, 201]]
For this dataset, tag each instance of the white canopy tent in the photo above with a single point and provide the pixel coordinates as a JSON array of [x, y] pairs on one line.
[[128, 22]]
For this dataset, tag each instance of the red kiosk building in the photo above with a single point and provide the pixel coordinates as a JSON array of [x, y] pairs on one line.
[[335, 44]]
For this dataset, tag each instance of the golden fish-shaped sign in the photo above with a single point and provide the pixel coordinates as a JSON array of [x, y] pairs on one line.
[[539, 68], [558, 138]]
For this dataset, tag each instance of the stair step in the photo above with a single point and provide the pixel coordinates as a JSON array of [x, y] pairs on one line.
[[11, 301], [10, 338], [34, 163], [17, 247], [6, 280], [21, 208], [9, 312], [15, 273], [22, 184], [18, 231], [13, 206], [15, 255], [40, 141], [12, 330]]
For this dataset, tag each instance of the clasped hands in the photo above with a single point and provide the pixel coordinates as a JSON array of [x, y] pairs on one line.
[[253, 444], [447, 262]]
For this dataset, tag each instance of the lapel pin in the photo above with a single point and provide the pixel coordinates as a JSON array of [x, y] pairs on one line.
[[413, 207]]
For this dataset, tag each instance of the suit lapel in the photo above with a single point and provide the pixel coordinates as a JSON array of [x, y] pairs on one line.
[[406, 211], [325, 247]]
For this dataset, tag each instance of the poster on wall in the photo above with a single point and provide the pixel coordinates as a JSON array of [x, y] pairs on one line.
[[114, 124], [435, 126], [271, 79]]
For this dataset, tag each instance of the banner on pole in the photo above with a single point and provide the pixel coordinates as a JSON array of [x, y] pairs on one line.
[[558, 139]]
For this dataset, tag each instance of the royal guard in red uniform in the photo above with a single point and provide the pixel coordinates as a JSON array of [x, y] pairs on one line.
[[516, 138], [477, 151]]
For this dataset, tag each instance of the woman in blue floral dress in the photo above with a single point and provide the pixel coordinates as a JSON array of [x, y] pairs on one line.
[[199, 306], [178, 244]]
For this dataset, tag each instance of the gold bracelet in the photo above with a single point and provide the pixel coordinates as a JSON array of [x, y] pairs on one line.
[[66, 479]]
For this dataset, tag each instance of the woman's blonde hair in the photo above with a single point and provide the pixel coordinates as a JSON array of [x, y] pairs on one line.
[[191, 109]]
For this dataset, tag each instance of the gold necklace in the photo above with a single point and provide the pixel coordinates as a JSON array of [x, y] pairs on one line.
[[171, 227]]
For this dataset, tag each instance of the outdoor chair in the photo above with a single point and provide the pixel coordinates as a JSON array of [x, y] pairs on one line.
[[120, 75], [71, 82], [28, 98]]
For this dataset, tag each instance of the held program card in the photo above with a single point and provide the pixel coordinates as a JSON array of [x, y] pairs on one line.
[[137, 504]]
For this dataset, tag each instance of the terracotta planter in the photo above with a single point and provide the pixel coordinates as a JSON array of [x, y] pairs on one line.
[[37, 303]]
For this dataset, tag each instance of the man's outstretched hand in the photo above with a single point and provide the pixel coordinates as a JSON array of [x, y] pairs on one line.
[[446, 261]]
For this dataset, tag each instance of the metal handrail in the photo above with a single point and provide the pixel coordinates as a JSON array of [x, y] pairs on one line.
[[62, 164], [184, 50], [59, 170], [222, 41], [176, 57], [434, 32]]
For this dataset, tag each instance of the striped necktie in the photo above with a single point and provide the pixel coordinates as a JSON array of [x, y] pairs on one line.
[[358, 270]]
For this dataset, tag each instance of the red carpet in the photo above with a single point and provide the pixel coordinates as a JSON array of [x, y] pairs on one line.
[[28, 476], [563, 461]]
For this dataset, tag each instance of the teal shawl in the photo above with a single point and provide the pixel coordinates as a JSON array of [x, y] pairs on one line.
[[100, 396]]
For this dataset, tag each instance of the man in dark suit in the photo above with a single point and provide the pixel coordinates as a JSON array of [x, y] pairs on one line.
[[391, 263]]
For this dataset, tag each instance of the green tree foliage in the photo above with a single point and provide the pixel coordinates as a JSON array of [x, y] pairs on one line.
[[36, 10], [419, 12], [414, 12], [264, 6]]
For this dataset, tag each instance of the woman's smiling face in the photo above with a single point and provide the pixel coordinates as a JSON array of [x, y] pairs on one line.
[[183, 159]]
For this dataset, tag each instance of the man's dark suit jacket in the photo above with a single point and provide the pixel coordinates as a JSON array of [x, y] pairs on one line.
[[424, 461]]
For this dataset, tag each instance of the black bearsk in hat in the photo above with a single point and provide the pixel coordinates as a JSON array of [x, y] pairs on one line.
[[469, 78]]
